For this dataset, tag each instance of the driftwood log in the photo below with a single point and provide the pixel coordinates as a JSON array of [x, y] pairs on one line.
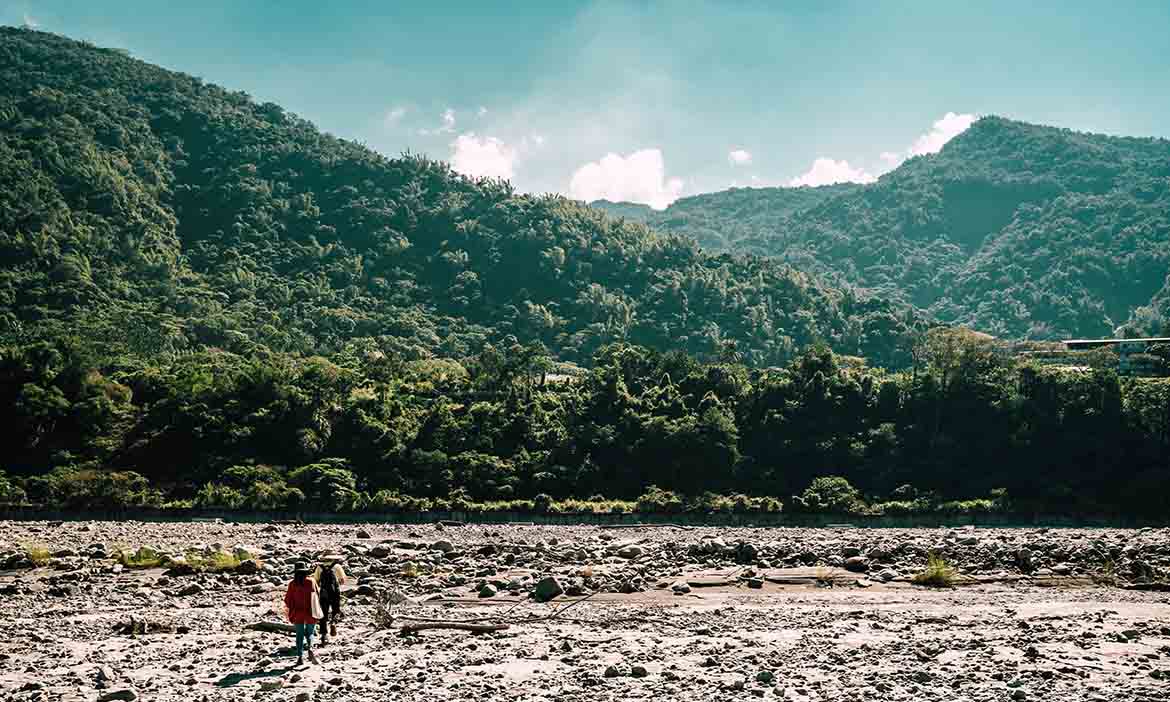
[[272, 627]]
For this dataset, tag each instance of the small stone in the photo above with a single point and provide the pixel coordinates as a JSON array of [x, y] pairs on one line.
[[611, 672], [755, 583], [363, 534], [487, 590], [303, 697], [765, 676], [125, 695]]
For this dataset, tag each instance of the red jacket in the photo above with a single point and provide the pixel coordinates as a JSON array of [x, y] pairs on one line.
[[298, 601]]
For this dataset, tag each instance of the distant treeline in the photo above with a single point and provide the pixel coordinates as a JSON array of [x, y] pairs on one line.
[[966, 428]]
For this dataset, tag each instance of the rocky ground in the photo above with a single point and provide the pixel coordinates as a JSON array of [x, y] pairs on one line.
[[591, 613]]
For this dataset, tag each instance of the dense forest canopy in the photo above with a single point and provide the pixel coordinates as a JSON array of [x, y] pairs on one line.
[[1017, 230], [139, 199], [206, 301]]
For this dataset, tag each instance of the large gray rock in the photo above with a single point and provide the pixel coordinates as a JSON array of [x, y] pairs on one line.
[[856, 564], [630, 552], [547, 589]]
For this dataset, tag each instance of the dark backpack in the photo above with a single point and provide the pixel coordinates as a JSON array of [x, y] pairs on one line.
[[330, 590]]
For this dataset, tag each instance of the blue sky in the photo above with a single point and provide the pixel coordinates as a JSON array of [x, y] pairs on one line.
[[646, 100]]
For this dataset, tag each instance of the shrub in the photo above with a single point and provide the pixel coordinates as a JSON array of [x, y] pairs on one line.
[[144, 557], [831, 494], [218, 496], [39, 555], [655, 499], [542, 503], [938, 573], [10, 492], [979, 506]]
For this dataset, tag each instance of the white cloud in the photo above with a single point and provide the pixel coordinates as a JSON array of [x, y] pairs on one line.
[[447, 125], [639, 177], [30, 22], [891, 159], [481, 111], [484, 157], [394, 115], [945, 129], [739, 157], [826, 171]]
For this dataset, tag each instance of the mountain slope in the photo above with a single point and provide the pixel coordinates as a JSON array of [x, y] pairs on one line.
[[151, 212], [720, 221], [1015, 229]]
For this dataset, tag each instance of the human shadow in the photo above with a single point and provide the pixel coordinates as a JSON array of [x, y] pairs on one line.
[[232, 679]]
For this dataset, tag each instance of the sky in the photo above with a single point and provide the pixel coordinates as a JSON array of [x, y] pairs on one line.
[[651, 101]]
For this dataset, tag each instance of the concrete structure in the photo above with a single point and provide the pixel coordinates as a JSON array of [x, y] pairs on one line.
[[1133, 355]]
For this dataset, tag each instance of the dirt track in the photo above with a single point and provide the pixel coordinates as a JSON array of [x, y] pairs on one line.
[[1008, 636]]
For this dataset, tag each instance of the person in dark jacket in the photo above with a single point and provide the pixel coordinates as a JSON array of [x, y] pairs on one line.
[[298, 601], [331, 579]]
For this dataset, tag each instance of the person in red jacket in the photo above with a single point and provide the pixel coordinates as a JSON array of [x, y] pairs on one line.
[[298, 601]]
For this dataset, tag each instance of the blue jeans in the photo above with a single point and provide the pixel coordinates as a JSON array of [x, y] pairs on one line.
[[304, 637]]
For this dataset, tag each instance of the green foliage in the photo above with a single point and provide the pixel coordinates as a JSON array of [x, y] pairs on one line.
[[10, 492], [938, 573], [1015, 229], [143, 557], [206, 302], [831, 494], [657, 500], [38, 555], [148, 213]]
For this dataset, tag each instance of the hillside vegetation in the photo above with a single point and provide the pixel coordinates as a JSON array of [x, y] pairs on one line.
[[158, 213], [1017, 230], [205, 301]]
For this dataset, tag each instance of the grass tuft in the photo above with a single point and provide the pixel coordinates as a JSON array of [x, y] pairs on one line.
[[39, 555], [938, 573], [144, 557]]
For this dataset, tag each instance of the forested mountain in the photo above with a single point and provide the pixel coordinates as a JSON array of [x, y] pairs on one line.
[[1014, 229], [721, 221], [205, 301], [145, 208]]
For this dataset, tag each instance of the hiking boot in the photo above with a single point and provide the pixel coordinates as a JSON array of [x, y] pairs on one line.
[[312, 658], [300, 661]]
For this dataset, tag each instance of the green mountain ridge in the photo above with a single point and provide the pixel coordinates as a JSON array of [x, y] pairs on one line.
[[720, 221], [152, 212], [1019, 230]]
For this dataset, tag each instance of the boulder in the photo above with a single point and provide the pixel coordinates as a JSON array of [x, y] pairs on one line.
[[856, 564], [547, 589], [630, 552]]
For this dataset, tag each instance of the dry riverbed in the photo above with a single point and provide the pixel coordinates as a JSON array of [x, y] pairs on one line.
[[592, 613]]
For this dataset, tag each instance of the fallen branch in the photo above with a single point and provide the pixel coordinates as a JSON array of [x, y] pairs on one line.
[[557, 613], [272, 627], [414, 627]]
